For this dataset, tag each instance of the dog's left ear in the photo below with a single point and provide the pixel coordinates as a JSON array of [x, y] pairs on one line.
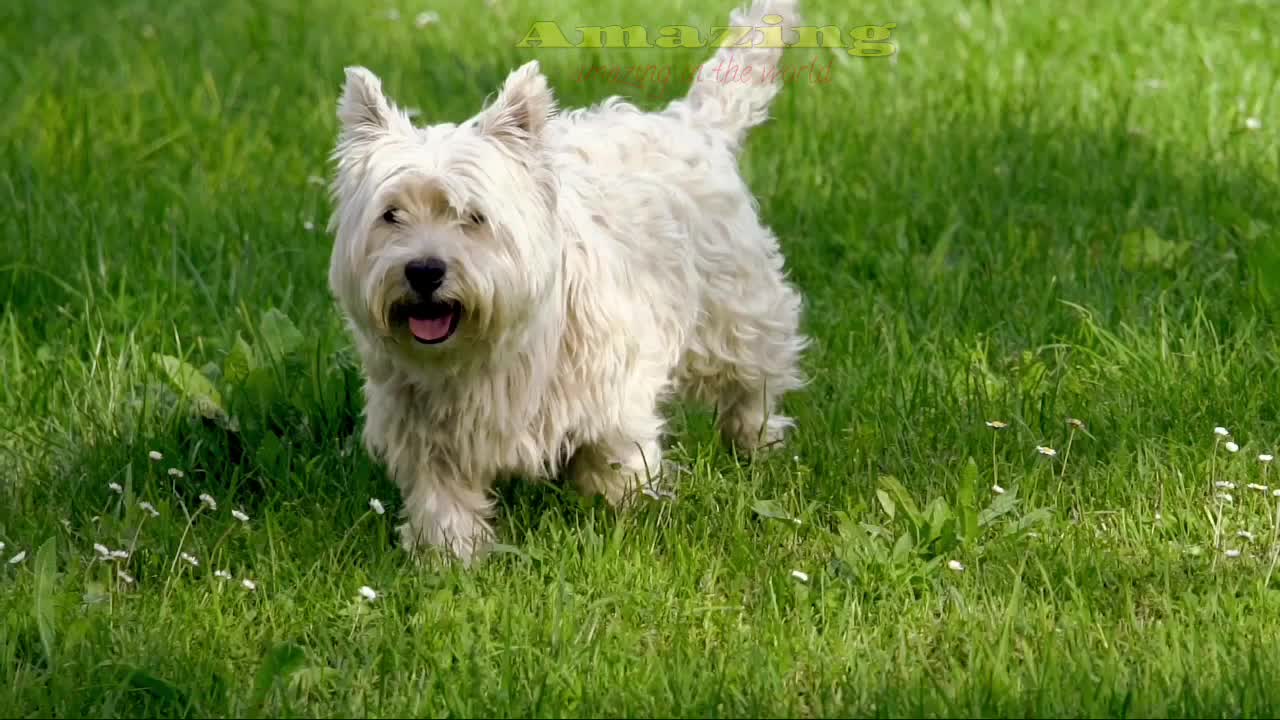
[[522, 108]]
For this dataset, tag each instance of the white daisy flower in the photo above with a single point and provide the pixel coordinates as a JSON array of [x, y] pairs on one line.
[[1231, 446], [997, 489], [1159, 517], [190, 559], [1075, 423], [1224, 485], [120, 554], [801, 576], [1275, 493], [222, 574], [1245, 534], [207, 499], [115, 487], [1, 547], [249, 584], [155, 456], [1265, 458], [426, 18], [176, 473], [368, 593], [955, 565], [1221, 431], [149, 509], [22, 555], [1252, 123], [1256, 486], [102, 550], [376, 505], [1046, 451], [1225, 497], [126, 577], [308, 225], [997, 424], [240, 516], [1232, 553]]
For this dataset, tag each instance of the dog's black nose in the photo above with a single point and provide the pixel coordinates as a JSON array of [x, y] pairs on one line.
[[425, 276]]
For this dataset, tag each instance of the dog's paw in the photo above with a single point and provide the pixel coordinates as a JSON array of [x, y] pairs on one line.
[[465, 549]]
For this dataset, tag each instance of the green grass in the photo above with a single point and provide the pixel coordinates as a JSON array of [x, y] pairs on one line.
[[1026, 215]]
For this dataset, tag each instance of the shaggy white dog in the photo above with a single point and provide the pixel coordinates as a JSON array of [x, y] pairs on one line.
[[526, 288]]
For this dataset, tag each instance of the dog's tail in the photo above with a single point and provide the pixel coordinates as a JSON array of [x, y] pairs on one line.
[[733, 91]]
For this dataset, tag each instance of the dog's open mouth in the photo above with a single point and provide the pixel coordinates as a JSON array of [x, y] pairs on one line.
[[433, 322]]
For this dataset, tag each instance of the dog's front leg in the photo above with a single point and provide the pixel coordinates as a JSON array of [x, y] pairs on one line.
[[445, 511]]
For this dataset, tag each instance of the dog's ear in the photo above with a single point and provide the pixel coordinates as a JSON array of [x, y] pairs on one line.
[[523, 106], [363, 109]]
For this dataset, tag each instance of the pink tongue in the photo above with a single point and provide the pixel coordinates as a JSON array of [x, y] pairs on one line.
[[430, 329]]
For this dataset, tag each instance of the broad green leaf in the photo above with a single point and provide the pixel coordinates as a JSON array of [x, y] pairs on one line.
[[282, 661], [239, 363], [772, 510], [46, 568], [1143, 249], [902, 498], [999, 506], [193, 386], [279, 334], [887, 503]]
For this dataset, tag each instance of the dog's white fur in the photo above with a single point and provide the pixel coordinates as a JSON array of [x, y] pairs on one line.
[[619, 261]]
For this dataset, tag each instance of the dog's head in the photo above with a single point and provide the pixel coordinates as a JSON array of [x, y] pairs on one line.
[[444, 238]]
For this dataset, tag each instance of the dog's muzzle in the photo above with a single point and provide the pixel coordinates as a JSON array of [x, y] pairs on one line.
[[430, 320]]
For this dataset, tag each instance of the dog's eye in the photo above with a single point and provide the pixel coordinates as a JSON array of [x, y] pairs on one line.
[[475, 218], [391, 217]]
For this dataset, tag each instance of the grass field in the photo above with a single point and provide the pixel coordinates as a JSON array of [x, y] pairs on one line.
[[1023, 215]]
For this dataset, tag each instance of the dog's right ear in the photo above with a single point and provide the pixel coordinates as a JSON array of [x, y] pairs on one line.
[[363, 109]]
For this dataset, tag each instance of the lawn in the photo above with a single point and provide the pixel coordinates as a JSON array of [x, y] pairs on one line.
[[1023, 215]]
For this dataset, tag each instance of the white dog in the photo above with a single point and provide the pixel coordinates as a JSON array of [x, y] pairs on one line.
[[528, 287]]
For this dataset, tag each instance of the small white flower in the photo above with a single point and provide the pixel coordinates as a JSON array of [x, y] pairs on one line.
[[426, 18], [955, 565], [18, 558], [1245, 534], [1221, 431], [240, 516], [1225, 497], [308, 225], [1224, 485], [120, 554], [1256, 486], [190, 559], [149, 509], [1075, 423], [155, 456], [368, 593], [1231, 446], [207, 499], [801, 576], [393, 14], [126, 577], [1159, 517], [376, 505], [1252, 123], [315, 180], [1232, 553], [115, 488], [249, 584], [222, 574], [1275, 493], [1046, 451], [997, 489], [1153, 84], [1, 547], [997, 424], [102, 550], [1265, 458], [176, 473]]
